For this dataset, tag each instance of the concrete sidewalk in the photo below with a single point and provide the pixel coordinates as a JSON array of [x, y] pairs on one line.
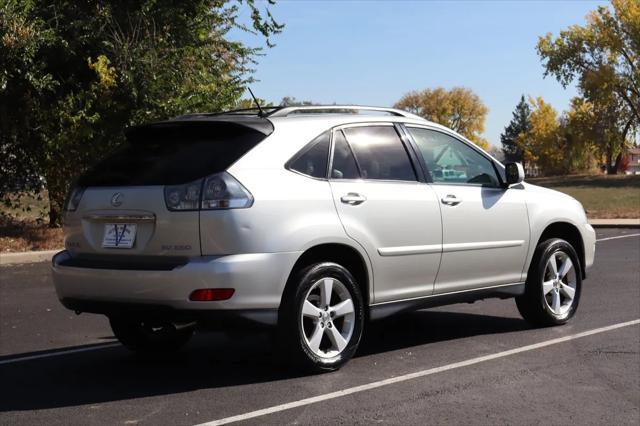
[[27, 257], [41, 256]]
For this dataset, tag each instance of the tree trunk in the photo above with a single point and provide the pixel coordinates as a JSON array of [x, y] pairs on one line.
[[610, 169], [616, 164], [55, 218]]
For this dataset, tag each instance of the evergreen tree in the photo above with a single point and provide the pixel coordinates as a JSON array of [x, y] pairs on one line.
[[520, 124]]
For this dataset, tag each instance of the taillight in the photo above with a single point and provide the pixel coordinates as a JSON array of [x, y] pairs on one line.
[[223, 191], [183, 197], [218, 191], [73, 199]]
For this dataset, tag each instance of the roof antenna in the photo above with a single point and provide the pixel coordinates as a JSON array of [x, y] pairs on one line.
[[261, 114]]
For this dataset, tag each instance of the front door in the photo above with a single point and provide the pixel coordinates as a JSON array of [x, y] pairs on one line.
[[383, 207], [485, 227]]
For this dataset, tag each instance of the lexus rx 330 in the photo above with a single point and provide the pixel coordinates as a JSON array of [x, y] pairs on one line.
[[312, 220]]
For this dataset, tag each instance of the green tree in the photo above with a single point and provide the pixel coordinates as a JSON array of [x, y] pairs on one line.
[[73, 75], [247, 103], [292, 101], [459, 109], [520, 124], [603, 56]]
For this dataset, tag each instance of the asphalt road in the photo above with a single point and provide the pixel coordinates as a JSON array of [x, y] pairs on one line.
[[464, 375]]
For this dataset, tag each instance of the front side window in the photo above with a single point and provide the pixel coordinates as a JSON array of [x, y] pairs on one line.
[[380, 153], [313, 161], [452, 161]]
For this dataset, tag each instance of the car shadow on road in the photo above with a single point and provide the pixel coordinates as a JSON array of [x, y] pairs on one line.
[[212, 360]]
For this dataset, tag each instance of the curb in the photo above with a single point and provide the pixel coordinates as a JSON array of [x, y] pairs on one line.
[[27, 257], [615, 223], [46, 255]]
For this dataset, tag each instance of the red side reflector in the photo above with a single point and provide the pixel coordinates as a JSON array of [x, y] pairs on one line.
[[211, 294]]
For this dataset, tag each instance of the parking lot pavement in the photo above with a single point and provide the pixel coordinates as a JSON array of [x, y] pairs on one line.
[[450, 364]]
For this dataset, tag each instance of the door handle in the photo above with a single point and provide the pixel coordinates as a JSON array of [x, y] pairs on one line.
[[451, 200], [353, 199]]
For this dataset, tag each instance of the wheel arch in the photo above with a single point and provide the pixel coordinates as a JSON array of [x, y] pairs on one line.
[[569, 233], [342, 254]]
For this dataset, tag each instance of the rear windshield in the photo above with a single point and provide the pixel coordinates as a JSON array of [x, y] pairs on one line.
[[173, 153]]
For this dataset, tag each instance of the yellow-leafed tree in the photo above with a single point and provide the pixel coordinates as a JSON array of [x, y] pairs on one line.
[[541, 144], [603, 58], [459, 109]]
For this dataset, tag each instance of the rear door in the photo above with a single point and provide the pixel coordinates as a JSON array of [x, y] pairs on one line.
[[485, 227], [144, 198], [384, 207]]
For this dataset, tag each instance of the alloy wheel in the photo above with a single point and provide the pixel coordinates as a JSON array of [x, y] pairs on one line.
[[327, 317], [559, 283]]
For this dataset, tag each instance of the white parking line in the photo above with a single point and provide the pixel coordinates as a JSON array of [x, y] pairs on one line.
[[619, 236], [418, 374], [52, 354]]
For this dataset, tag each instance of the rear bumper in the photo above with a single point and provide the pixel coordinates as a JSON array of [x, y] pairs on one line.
[[209, 319], [258, 280]]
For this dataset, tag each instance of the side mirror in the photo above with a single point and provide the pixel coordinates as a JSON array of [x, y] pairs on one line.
[[514, 173]]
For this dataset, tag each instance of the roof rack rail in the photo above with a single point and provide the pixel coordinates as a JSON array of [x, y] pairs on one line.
[[285, 111], [355, 109]]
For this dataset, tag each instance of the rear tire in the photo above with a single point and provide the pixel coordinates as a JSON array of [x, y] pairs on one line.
[[321, 318], [554, 284], [149, 337]]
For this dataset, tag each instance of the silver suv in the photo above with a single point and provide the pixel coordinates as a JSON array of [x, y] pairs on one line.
[[314, 220]]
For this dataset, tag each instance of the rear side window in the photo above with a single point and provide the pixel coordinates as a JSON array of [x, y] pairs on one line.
[[173, 153], [380, 153], [344, 164], [313, 161]]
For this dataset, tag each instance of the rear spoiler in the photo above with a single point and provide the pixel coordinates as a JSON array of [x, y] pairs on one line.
[[199, 124]]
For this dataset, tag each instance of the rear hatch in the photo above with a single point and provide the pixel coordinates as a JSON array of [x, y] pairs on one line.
[[120, 207]]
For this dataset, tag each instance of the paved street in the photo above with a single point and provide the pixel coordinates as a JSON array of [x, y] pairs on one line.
[[583, 379]]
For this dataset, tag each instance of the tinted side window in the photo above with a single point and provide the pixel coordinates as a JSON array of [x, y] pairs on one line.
[[313, 161], [452, 161], [344, 165], [380, 153]]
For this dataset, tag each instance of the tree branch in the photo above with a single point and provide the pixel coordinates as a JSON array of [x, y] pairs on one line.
[[634, 110], [626, 56]]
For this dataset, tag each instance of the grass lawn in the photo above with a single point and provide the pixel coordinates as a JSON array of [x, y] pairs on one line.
[[604, 197], [16, 236]]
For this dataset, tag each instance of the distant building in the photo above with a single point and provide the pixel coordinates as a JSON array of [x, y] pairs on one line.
[[634, 161]]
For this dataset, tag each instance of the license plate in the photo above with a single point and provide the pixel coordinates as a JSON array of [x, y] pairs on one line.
[[119, 235]]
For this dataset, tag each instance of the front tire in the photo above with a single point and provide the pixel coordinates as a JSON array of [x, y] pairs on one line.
[[321, 317], [554, 284], [150, 337]]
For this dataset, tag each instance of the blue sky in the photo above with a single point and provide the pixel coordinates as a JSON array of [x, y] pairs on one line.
[[372, 52]]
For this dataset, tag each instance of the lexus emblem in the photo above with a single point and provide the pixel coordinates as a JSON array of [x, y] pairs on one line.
[[116, 200]]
